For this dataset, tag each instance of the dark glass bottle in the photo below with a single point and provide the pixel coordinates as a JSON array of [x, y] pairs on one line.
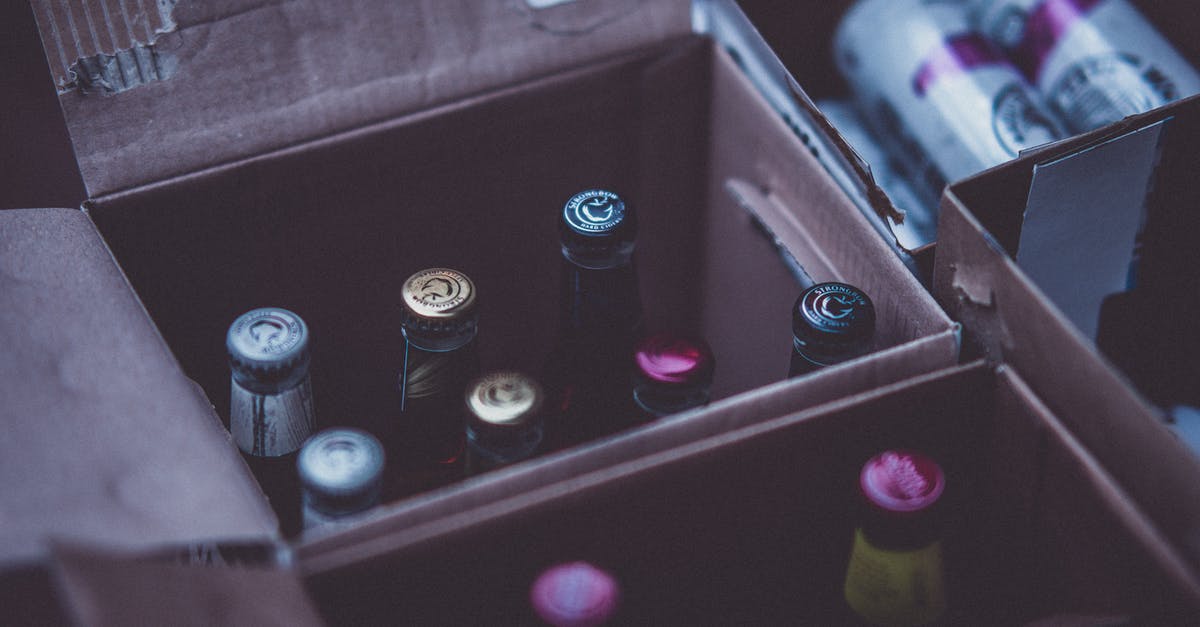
[[588, 371], [831, 323], [895, 574], [271, 409], [672, 373], [341, 471], [575, 594], [440, 323], [504, 420]]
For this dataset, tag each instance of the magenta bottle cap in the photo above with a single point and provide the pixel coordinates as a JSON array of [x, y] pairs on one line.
[[675, 359], [902, 481], [575, 595]]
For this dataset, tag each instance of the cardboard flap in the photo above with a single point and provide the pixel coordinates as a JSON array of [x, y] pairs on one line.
[[104, 439], [156, 89]]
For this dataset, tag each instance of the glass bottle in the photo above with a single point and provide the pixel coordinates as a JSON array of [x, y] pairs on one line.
[[831, 323], [575, 594], [341, 471], [600, 317], [440, 324], [504, 420], [271, 409], [895, 574], [673, 373]]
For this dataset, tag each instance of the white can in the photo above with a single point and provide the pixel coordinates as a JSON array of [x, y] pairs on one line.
[[1094, 61], [939, 93]]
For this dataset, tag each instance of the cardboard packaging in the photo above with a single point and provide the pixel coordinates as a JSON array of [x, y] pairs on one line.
[[754, 524], [1010, 318], [802, 34], [297, 154]]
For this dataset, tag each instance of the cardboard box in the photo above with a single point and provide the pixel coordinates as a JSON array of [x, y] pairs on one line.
[[313, 157], [802, 36], [753, 525], [1009, 318]]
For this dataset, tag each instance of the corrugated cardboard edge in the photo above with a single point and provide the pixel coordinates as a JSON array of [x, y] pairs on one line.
[[250, 76], [1010, 320]]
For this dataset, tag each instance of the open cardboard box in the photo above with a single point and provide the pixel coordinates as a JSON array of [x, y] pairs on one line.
[[312, 157], [801, 34], [753, 525], [1009, 318]]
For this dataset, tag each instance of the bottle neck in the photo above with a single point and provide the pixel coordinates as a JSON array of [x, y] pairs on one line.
[[600, 302], [657, 399]]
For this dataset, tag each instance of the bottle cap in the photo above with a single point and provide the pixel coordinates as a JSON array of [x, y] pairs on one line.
[[504, 400], [341, 469], [575, 595], [597, 229], [268, 346], [902, 481], [439, 310], [675, 359], [833, 319]]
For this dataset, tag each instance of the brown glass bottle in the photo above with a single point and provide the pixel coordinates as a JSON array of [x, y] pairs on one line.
[[440, 324], [587, 373], [271, 409]]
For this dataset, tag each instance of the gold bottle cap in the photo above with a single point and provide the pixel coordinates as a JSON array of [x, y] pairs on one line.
[[504, 400], [438, 294]]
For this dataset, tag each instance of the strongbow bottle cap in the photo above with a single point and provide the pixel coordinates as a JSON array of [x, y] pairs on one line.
[[597, 228], [902, 481], [268, 344], [439, 304], [575, 595], [675, 359], [833, 317], [342, 465], [504, 400]]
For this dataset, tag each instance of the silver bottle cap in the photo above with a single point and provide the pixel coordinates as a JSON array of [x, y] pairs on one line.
[[341, 470], [268, 345]]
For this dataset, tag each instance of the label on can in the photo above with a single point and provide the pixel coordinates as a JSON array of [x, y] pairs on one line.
[[272, 425], [1096, 61], [895, 587]]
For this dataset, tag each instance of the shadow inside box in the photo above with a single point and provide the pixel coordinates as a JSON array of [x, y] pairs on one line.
[[754, 527], [332, 230]]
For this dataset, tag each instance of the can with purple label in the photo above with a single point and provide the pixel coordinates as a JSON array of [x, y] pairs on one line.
[[1094, 61], [939, 94]]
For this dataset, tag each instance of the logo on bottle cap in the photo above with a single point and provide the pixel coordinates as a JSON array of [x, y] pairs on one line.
[[438, 293], [504, 398], [594, 212], [837, 309], [268, 335], [902, 481]]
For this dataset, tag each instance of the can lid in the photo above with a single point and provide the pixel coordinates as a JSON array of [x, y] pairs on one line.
[[597, 228], [675, 358], [575, 594], [505, 399], [267, 341], [833, 315], [341, 463], [902, 481], [439, 303]]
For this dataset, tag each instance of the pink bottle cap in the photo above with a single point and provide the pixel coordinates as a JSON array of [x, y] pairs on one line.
[[672, 358], [902, 481], [575, 595]]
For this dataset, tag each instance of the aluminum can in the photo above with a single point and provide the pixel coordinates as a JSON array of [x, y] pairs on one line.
[[1094, 61]]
